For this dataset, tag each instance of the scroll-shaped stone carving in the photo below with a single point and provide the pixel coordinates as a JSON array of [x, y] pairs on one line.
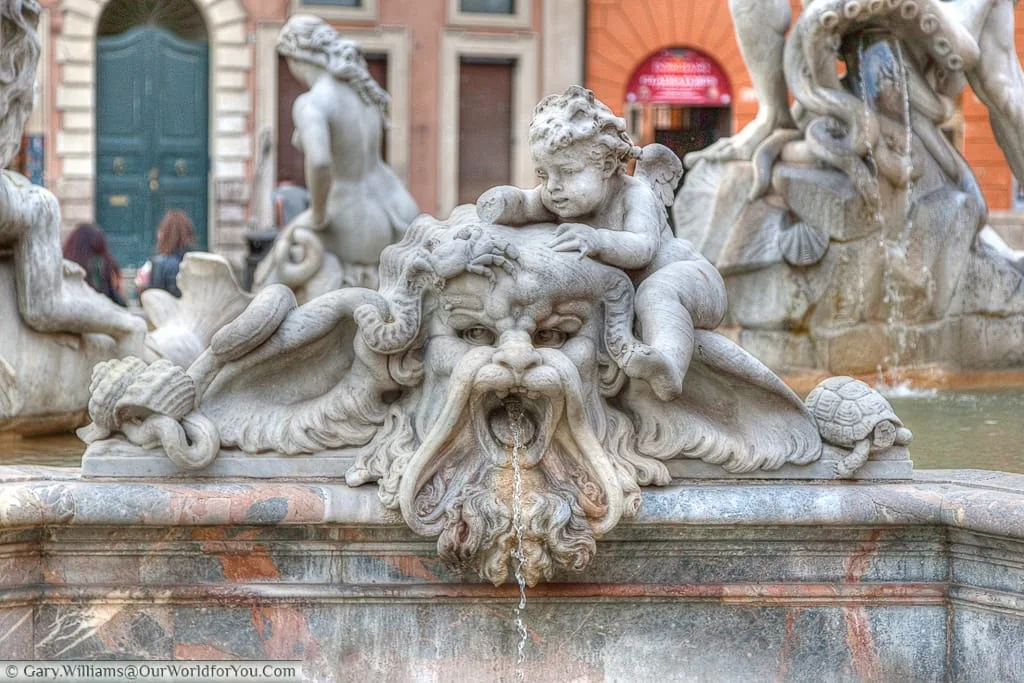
[[847, 228], [359, 205], [488, 382]]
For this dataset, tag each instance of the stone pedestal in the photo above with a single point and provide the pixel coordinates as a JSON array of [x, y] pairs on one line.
[[919, 580]]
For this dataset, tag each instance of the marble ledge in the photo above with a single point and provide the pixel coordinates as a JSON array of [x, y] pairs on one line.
[[970, 500]]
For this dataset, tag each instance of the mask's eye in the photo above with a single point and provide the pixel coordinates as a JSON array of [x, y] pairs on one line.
[[481, 336], [550, 338]]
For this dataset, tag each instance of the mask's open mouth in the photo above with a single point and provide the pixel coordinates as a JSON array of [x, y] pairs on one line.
[[497, 418]]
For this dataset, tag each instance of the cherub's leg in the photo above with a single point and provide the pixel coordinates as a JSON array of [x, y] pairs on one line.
[[667, 331], [761, 27], [45, 303], [682, 291]]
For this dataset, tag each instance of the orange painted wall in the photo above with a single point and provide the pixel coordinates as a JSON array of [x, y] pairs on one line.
[[621, 33]]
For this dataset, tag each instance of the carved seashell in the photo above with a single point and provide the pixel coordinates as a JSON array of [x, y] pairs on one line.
[[162, 388], [909, 10], [955, 63], [941, 46], [929, 24], [802, 245], [110, 381], [851, 9], [829, 20]]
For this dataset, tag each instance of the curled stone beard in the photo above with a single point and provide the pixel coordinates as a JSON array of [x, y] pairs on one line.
[[458, 484], [478, 533]]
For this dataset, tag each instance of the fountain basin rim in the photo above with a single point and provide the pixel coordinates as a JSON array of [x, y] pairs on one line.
[[975, 500]]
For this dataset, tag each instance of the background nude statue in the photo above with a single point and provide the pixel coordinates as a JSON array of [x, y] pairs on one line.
[[359, 206]]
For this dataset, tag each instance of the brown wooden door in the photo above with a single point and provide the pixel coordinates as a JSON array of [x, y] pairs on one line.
[[485, 125]]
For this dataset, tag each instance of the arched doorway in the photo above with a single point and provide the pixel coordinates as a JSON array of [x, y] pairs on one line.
[[152, 112], [680, 98]]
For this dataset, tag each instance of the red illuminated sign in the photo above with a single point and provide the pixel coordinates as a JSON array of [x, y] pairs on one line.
[[679, 76]]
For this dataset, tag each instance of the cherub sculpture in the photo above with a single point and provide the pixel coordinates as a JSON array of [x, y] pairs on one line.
[[581, 151], [359, 206], [58, 323]]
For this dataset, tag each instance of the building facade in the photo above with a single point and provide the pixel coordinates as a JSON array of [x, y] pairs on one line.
[[629, 44], [144, 106]]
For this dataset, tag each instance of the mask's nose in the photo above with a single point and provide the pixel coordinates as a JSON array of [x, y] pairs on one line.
[[517, 354]]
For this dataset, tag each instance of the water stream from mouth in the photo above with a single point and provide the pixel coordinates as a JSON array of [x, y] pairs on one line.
[[514, 406], [895, 323]]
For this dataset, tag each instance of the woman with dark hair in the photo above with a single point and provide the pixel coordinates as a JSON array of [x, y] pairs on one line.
[[175, 236], [87, 246]]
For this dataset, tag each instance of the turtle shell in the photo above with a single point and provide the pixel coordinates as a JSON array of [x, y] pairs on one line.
[[847, 410]]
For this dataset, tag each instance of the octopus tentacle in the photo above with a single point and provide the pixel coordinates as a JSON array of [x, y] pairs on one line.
[[840, 130]]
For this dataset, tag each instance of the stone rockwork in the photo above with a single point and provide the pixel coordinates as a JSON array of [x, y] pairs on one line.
[[847, 230], [844, 581]]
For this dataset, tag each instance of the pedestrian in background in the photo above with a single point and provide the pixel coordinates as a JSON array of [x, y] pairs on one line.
[[290, 199], [175, 236], [87, 246]]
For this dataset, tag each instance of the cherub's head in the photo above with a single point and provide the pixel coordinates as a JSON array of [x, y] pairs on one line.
[[578, 146]]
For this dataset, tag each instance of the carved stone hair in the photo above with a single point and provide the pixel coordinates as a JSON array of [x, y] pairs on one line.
[[310, 39], [18, 59], [577, 116]]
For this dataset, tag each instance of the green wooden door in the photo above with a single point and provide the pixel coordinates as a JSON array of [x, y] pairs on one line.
[[152, 114]]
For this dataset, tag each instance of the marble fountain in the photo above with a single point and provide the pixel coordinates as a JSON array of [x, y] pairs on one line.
[[527, 453]]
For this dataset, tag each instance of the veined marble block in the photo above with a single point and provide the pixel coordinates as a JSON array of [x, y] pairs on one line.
[[742, 581]]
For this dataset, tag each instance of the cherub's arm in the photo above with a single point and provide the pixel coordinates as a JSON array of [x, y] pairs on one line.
[[635, 244], [313, 132], [507, 205]]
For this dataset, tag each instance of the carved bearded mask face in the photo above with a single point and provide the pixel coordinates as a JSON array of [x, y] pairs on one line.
[[530, 345], [19, 55]]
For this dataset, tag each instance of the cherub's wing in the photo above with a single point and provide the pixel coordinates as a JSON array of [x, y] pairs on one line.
[[660, 168]]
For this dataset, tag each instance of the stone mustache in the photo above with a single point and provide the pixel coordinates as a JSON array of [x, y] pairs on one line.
[[477, 326]]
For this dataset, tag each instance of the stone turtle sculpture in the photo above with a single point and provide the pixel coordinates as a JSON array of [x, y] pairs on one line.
[[850, 414]]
